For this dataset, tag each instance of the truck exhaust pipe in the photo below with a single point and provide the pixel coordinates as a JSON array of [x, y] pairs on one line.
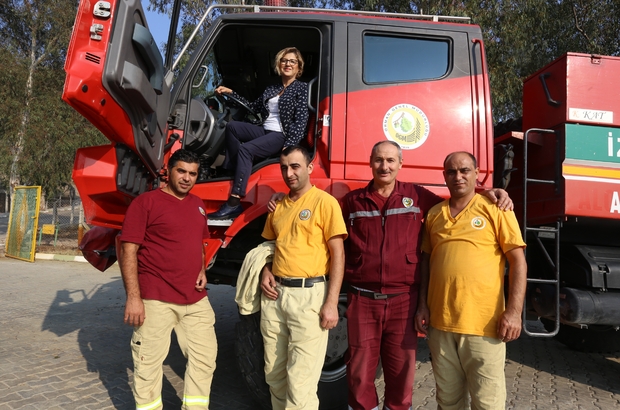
[[578, 307]]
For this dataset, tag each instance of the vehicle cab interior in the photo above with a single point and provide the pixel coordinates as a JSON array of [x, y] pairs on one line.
[[241, 58]]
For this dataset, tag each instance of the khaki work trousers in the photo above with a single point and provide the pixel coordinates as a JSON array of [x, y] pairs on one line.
[[467, 363], [150, 344], [295, 346]]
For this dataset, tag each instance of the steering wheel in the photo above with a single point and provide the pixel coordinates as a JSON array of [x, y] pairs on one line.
[[225, 99]]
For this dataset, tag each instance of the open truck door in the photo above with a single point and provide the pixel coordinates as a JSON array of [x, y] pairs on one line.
[[116, 78], [134, 76]]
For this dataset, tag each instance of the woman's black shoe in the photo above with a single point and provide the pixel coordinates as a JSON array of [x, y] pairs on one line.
[[226, 212]]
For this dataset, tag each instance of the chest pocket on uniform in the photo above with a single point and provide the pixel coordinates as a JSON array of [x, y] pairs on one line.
[[408, 228]]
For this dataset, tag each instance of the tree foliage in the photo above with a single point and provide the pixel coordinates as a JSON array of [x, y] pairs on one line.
[[54, 134], [520, 37], [523, 36], [38, 132]]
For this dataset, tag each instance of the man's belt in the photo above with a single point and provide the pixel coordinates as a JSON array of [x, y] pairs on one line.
[[301, 282], [373, 295]]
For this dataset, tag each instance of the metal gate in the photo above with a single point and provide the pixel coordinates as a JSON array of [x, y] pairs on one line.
[[23, 222]]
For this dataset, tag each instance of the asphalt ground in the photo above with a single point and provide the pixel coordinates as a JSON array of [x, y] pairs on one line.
[[63, 346]]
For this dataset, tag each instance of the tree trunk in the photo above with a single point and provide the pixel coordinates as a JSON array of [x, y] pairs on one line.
[[14, 179]]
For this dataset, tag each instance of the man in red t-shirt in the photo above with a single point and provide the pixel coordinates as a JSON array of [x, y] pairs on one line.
[[162, 264]]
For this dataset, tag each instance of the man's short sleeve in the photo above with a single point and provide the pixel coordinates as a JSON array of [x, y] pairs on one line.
[[134, 225], [333, 221], [201, 204], [205, 232], [509, 233], [268, 232]]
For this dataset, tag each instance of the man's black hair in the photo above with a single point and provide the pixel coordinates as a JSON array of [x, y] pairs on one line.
[[289, 150], [184, 156]]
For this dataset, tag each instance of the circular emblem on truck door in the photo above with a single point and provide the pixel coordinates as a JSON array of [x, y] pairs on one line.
[[406, 125]]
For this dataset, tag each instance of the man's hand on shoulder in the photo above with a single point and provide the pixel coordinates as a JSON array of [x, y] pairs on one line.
[[329, 316], [268, 283], [134, 311], [500, 198], [273, 201]]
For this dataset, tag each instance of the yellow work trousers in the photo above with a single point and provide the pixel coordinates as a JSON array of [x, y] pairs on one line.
[[150, 344], [465, 364], [295, 346]]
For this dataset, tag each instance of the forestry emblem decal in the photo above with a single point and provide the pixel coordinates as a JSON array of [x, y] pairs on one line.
[[406, 125]]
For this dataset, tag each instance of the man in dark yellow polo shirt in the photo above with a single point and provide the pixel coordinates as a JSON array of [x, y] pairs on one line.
[[301, 287]]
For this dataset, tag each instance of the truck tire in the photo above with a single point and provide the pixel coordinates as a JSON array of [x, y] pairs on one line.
[[250, 358], [603, 339], [249, 350]]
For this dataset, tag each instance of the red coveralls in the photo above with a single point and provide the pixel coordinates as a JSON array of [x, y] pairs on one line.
[[382, 254]]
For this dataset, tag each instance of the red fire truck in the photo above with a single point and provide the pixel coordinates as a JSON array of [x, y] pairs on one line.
[[421, 81]]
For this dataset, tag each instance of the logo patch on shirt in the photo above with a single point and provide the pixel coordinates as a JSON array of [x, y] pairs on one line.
[[202, 211], [478, 222], [407, 202], [305, 215]]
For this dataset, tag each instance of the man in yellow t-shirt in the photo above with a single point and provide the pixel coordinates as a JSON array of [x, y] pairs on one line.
[[301, 286], [466, 244]]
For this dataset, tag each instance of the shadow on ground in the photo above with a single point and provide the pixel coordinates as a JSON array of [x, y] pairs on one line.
[[97, 315]]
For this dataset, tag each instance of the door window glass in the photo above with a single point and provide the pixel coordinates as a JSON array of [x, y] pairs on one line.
[[393, 59]]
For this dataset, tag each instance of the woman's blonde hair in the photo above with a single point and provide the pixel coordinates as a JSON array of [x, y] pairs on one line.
[[285, 51]]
